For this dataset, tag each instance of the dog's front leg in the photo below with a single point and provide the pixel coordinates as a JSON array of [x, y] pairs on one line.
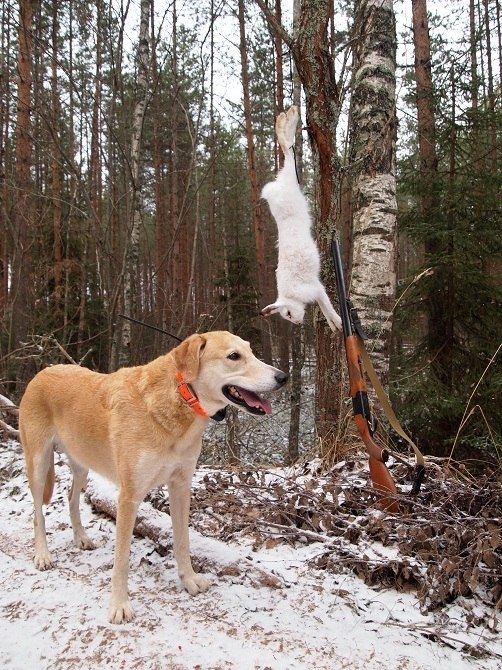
[[120, 607], [179, 504]]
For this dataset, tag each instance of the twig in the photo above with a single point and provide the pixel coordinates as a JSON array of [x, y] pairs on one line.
[[63, 350], [293, 530], [447, 639]]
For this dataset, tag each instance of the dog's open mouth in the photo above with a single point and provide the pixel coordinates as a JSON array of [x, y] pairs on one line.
[[252, 402]]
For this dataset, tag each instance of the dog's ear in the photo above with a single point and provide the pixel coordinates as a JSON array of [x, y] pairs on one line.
[[187, 356], [271, 309]]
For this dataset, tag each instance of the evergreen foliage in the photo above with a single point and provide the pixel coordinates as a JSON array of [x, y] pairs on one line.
[[449, 319]]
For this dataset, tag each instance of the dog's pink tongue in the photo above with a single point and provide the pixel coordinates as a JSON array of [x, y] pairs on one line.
[[254, 400]]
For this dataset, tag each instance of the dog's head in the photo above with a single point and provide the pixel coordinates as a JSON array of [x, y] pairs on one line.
[[293, 311], [222, 370]]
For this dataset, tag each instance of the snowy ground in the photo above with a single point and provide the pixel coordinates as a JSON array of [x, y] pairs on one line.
[[298, 618]]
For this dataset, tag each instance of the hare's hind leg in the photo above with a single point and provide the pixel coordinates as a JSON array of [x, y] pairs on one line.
[[285, 128]]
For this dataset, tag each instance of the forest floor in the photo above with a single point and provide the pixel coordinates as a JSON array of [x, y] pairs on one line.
[[306, 573]]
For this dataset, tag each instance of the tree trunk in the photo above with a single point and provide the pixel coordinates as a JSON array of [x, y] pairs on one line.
[[425, 103], [314, 63], [372, 160], [21, 297], [474, 89], [55, 169], [491, 91], [433, 246], [5, 115], [256, 213], [132, 253], [316, 71], [176, 294], [161, 252], [297, 344], [92, 227]]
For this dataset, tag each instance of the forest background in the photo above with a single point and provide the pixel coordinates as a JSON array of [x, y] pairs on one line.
[[135, 138]]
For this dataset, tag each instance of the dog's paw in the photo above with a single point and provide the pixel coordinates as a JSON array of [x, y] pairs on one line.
[[195, 584], [120, 612], [83, 541], [43, 560], [285, 128]]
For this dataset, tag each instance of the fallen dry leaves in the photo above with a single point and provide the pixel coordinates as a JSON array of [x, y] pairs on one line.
[[445, 543]]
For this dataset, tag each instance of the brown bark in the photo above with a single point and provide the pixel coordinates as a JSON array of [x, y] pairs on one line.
[[315, 68], [21, 295], [209, 260], [161, 252], [491, 90], [428, 156], [55, 169], [134, 228], [425, 102], [283, 328], [474, 87], [176, 295], [297, 343], [499, 38], [311, 54], [5, 114], [92, 227], [256, 212]]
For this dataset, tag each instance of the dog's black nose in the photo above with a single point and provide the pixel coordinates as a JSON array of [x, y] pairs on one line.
[[281, 377]]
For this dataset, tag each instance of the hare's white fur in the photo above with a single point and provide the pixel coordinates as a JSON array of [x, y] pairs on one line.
[[299, 265]]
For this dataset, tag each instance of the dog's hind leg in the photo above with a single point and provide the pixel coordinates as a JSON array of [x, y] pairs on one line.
[[80, 537], [40, 467], [333, 319], [285, 128]]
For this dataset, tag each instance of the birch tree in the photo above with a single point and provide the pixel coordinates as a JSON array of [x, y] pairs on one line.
[[372, 161]]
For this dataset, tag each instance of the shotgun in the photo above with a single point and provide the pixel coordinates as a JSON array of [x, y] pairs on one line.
[[352, 333]]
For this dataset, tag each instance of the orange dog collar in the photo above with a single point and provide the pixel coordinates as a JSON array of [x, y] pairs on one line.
[[189, 396]]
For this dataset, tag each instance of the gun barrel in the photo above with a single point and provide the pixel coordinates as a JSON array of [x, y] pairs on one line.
[[340, 287]]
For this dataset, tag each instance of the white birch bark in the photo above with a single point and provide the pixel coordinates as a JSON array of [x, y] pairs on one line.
[[374, 225]]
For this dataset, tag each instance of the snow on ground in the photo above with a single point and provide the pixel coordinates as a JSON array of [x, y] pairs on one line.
[[317, 620]]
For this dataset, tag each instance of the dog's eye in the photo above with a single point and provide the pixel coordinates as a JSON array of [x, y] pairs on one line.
[[289, 314], [234, 356]]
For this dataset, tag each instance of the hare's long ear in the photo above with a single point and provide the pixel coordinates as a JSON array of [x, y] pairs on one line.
[[187, 356], [271, 309]]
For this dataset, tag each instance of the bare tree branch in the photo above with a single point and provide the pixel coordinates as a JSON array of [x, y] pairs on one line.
[[274, 24]]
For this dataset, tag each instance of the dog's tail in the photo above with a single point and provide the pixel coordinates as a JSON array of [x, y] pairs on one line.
[[49, 481]]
